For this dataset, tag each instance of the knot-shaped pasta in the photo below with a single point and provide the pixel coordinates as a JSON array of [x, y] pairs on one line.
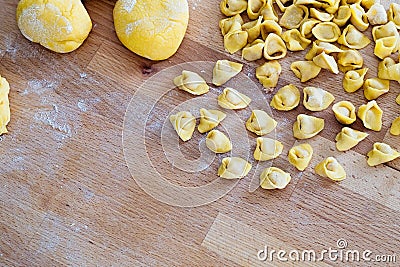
[[232, 99], [192, 83], [253, 51], [377, 14], [4, 105], [358, 17], [354, 80], [270, 26], [395, 127], [293, 16], [218, 142], [371, 115], [253, 29], [307, 26], [375, 87], [389, 70], [307, 126], [260, 122], [300, 156], [353, 38], [274, 47], [233, 168], [350, 60], [184, 124], [342, 15], [345, 112], [254, 8], [209, 119], [235, 40], [224, 70], [267, 149], [318, 47], [327, 62], [348, 138], [381, 153], [319, 15], [326, 32], [305, 70], [230, 24], [331, 168], [316, 99], [268, 11], [233, 7], [274, 178], [287, 98], [394, 14], [268, 73], [294, 40]]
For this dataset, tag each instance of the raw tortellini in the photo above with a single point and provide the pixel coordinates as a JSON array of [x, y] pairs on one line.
[[354, 80], [218, 142], [353, 38], [307, 126], [350, 60], [274, 47], [209, 119], [317, 99], [386, 39], [358, 17], [230, 24], [224, 70], [233, 7], [268, 73], [305, 70], [345, 112], [254, 8], [293, 16], [348, 138], [371, 115], [331, 168], [184, 124], [300, 156], [235, 40], [394, 14], [375, 87], [191, 82], [326, 32], [4, 105], [253, 51], [395, 127], [232, 99], [295, 41], [342, 16], [260, 122], [233, 168], [287, 98], [327, 62], [274, 178], [253, 29], [267, 149], [381, 153], [377, 14], [389, 70]]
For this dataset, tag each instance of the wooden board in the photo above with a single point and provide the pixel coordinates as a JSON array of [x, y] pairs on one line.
[[68, 197]]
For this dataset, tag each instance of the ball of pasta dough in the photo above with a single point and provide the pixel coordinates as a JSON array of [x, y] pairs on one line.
[[61, 26], [152, 29]]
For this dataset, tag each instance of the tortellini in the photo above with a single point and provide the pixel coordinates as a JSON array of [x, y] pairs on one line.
[[389, 70], [209, 119], [4, 105], [307, 126], [395, 127], [321, 16], [354, 80], [224, 70], [331, 168], [316, 99], [327, 62], [375, 87], [358, 17], [307, 26], [268, 12], [253, 51], [233, 168], [267, 149], [342, 15], [184, 124], [348, 138], [294, 40], [232, 99], [233, 7], [353, 38], [192, 83], [381, 153], [326, 32], [254, 8], [394, 14], [345, 112], [371, 115], [218, 142], [270, 26], [377, 14], [293, 16], [386, 39], [305, 70], [260, 122], [350, 60], [235, 40], [287, 98], [318, 47], [230, 24], [274, 178], [268, 73], [300, 156], [274, 47], [253, 29]]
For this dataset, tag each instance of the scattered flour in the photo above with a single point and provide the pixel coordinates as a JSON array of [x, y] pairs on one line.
[[87, 104]]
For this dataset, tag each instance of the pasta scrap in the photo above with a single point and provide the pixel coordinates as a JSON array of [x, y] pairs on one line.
[[268, 73], [305, 70], [331, 168], [307, 126], [232, 99], [371, 115], [300, 156], [274, 178], [224, 70], [398, 99], [260, 122], [233, 168], [287, 98], [395, 127], [375, 87], [316, 99], [381, 153], [267, 149], [348, 138], [192, 83], [184, 124], [218, 142], [345, 112], [209, 119], [354, 80]]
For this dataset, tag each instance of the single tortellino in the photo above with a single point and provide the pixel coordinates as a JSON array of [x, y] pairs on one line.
[[268, 73], [327, 62], [375, 87], [233, 7], [395, 127], [274, 178], [326, 32], [235, 40], [274, 47], [232, 99], [184, 124], [270, 26], [300, 156], [377, 14], [321, 16], [267, 149], [350, 60], [260, 122], [389, 70], [381, 153], [318, 47], [307, 126], [342, 15], [254, 8], [293, 16], [331, 168], [218, 142], [316, 99], [348, 138], [384, 47], [307, 26], [230, 24], [345, 112], [233, 168], [192, 83], [294, 40], [253, 29], [358, 17], [354, 80], [4, 105], [394, 14], [371, 115], [387, 30], [209, 119], [224, 70], [253, 51], [287, 98], [268, 11], [353, 38], [305, 70]]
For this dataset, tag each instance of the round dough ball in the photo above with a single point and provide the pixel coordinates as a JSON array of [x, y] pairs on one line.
[[59, 25], [152, 29]]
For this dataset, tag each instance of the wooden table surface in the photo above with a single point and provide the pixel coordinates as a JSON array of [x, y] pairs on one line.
[[67, 194]]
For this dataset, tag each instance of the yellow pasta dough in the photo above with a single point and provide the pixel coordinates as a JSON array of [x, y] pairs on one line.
[[293, 16], [268, 73], [232, 99], [394, 14], [218, 142], [287, 98], [318, 47], [268, 11], [381, 153], [233, 7], [398, 99], [327, 62], [321, 16], [307, 126], [316, 99], [253, 51], [377, 14], [307, 26], [389, 70], [375, 87], [191, 82], [386, 39], [345, 112], [348, 138], [371, 115], [342, 16], [274, 178], [254, 8], [367, 4], [305, 70], [184, 124], [300, 156], [230, 24], [353, 38], [209, 119], [350, 60], [224, 70], [354, 80], [326, 32], [260, 122], [253, 29], [395, 127], [269, 26], [233, 168], [294, 40], [4, 105], [235, 40], [358, 17], [331, 168], [267, 149], [274, 47]]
